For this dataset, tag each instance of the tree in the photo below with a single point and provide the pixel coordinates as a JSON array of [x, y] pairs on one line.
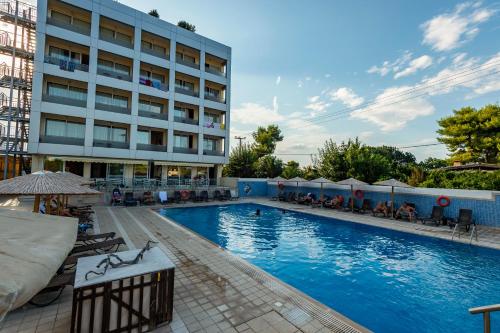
[[467, 180], [268, 167], [154, 12], [431, 163], [472, 135], [241, 162], [401, 163], [186, 25], [309, 172], [266, 139], [291, 170]]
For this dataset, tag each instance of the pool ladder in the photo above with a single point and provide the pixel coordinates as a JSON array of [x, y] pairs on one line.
[[486, 310]]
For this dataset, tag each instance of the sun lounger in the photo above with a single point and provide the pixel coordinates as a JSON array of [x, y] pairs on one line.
[[366, 206], [406, 215], [129, 199], [229, 196], [218, 196], [204, 196], [436, 217], [98, 247], [177, 196], [163, 197], [464, 221]]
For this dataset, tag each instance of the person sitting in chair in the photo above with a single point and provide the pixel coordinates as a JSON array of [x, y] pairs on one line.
[[116, 196], [381, 207], [405, 211]]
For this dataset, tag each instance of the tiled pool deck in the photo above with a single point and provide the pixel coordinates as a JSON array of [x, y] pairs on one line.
[[214, 290]]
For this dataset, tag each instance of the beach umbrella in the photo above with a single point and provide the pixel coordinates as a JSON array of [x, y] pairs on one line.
[[279, 180], [392, 183], [351, 182], [297, 180], [71, 177], [322, 181], [43, 183]]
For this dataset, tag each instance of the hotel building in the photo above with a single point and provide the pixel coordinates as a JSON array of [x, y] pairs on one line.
[[118, 93]]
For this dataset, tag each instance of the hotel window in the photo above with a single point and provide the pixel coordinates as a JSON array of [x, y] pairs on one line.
[[184, 84], [143, 137], [147, 75], [107, 65], [181, 141], [212, 92], [60, 17], [111, 99], [61, 90], [64, 129], [109, 133], [154, 47], [186, 57], [149, 106], [140, 170], [67, 55], [211, 118], [115, 170], [209, 144]]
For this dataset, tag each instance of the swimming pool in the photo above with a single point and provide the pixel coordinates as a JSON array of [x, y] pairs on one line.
[[386, 280]]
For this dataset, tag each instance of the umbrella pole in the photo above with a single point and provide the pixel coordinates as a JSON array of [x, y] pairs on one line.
[[352, 198], [321, 195], [48, 205], [392, 202], [36, 205]]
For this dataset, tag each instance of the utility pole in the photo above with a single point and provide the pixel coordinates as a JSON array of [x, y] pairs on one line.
[[240, 138]]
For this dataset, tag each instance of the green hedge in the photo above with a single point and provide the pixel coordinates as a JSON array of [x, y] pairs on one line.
[[467, 180]]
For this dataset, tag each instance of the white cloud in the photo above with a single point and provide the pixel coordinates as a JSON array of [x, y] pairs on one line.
[[391, 116], [313, 99], [388, 66], [275, 104], [278, 80], [327, 75], [347, 96], [415, 65], [308, 78], [257, 114], [300, 84], [450, 30]]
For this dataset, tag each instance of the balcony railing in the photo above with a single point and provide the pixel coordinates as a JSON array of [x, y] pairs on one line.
[[120, 42], [214, 98], [191, 64], [213, 152], [182, 150], [156, 53], [84, 30], [153, 83], [66, 64], [215, 71], [111, 144], [63, 140], [186, 91], [112, 108], [149, 114], [114, 74], [150, 147], [64, 100], [186, 120]]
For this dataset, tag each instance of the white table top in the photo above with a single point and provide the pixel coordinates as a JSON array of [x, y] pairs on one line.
[[152, 261]]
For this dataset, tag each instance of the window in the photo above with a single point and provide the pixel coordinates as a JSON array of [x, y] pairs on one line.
[[181, 141], [118, 134], [212, 92], [107, 65], [53, 165], [184, 84], [123, 37], [140, 170], [211, 118], [109, 133], [106, 33], [81, 24], [64, 128], [111, 99], [61, 90], [143, 137], [115, 170], [209, 144], [185, 57], [149, 106], [180, 112], [60, 17]]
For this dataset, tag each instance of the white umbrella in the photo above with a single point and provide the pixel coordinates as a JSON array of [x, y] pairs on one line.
[[280, 181], [392, 183], [297, 180], [321, 180], [351, 182]]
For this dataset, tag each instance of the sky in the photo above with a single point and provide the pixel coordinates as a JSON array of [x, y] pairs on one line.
[[383, 71]]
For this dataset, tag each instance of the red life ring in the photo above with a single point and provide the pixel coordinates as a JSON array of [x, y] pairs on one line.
[[340, 199], [281, 186], [358, 194], [184, 194], [443, 201]]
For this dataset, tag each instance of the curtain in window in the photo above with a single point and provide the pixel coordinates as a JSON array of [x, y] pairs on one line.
[[119, 135], [55, 128], [181, 141], [120, 101], [101, 132], [57, 90], [76, 130], [104, 98]]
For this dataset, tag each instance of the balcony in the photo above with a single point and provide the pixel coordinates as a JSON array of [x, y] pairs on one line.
[[214, 98], [155, 115], [80, 29], [65, 64], [153, 84], [215, 71], [111, 144], [155, 53], [112, 108], [182, 150], [121, 42], [150, 147], [186, 91], [213, 152], [191, 64], [110, 72], [64, 100], [184, 120], [62, 140]]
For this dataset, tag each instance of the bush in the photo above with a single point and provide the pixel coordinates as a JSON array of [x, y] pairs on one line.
[[466, 180]]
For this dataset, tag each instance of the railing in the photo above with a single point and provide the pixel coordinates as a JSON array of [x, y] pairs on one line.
[[215, 71], [213, 98], [150, 147], [24, 11], [213, 152], [186, 91], [63, 140], [21, 76], [65, 64], [120, 42], [486, 310], [114, 74], [154, 84], [191, 64], [149, 114], [112, 108], [75, 28], [111, 144], [64, 100], [214, 125], [182, 150], [186, 120], [156, 53]]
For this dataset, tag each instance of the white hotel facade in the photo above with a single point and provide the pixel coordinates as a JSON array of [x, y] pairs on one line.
[[118, 93]]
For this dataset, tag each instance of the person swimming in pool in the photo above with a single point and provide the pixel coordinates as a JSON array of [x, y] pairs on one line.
[[257, 212]]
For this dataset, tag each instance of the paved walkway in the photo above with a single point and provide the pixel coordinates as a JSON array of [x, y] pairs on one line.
[[214, 290]]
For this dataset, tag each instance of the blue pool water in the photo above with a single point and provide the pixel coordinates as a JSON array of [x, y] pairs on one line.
[[388, 281]]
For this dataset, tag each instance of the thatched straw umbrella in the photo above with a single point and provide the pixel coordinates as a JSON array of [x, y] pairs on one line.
[[43, 183], [352, 182], [296, 180], [75, 179], [392, 183], [322, 181]]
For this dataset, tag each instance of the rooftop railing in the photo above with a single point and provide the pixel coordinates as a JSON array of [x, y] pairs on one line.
[[81, 29], [62, 140], [111, 144]]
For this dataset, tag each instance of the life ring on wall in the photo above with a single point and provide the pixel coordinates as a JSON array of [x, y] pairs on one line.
[[281, 186], [340, 199], [184, 194], [358, 194], [247, 189], [443, 201]]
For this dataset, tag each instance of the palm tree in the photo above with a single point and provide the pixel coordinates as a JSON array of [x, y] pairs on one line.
[[154, 12], [186, 25]]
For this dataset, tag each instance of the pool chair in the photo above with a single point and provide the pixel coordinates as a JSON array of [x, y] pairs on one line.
[[464, 221], [218, 196], [229, 195], [177, 196], [347, 207], [204, 196], [129, 199], [406, 215], [301, 199], [147, 198], [282, 196], [193, 197], [291, 197], [436, 217], [163, 197], [366, 206]]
